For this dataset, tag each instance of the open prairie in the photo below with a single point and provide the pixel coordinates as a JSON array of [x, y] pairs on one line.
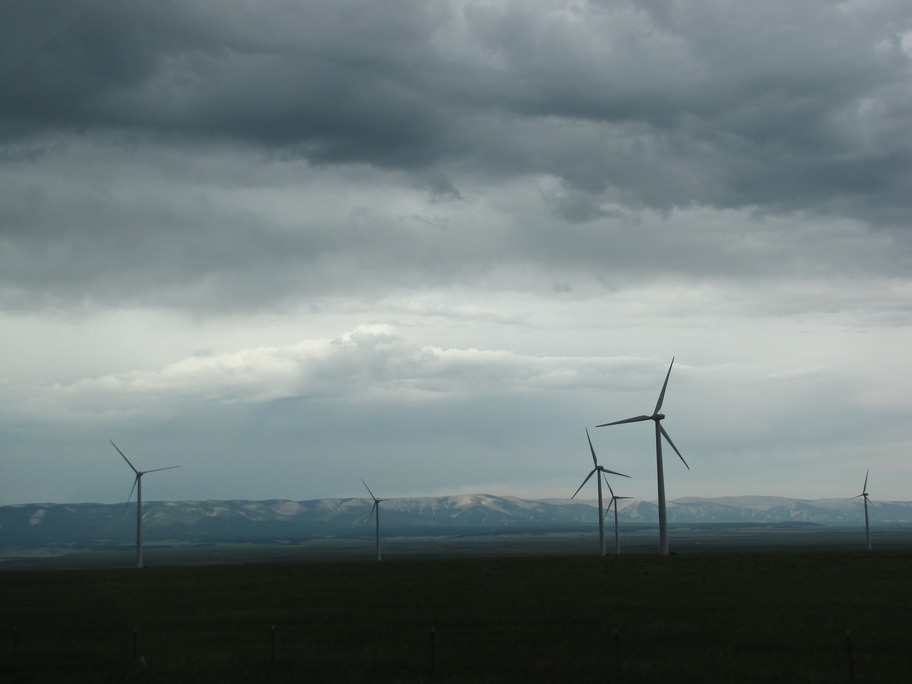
[[745, 616]]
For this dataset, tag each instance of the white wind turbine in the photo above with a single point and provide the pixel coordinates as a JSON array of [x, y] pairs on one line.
[[377, 509], [601, 471], [137, 485], [614, 500], [657, 418], [864, 495]]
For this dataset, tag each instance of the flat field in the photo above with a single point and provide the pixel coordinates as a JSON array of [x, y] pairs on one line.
[[728, 616]]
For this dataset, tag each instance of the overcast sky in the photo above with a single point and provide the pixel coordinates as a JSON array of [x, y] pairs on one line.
[[287, 245]]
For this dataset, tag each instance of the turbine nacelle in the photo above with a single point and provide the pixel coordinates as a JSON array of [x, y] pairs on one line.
[[374, 509], [137, 487], [599, 472], [865, 500], [139, 473], [660, 433], [864, 490], [603, 469]]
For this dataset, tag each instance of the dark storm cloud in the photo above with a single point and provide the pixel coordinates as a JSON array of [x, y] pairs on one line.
[[656, 104], [332, 82], [520, 210]]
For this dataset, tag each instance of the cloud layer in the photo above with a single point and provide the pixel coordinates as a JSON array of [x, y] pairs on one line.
[[439, 239]]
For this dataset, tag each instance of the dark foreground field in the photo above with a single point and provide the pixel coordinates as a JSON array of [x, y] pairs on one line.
[[690, 617]]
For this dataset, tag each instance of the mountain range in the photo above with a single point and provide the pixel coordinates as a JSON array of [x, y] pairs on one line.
[[99, 525]]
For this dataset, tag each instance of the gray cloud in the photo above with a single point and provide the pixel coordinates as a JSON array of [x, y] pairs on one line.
[[545, 201], [652, 104]]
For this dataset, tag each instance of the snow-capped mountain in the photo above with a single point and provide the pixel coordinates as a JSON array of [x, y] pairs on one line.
[[31, 525]]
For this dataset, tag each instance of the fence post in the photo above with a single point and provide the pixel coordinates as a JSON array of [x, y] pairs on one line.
[[848, 641], [617, 655]]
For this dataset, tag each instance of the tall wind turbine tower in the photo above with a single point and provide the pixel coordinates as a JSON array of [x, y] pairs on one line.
[[613, 502], [600, 473], [377, 509], [864, 495], [137, 485], [657, 418]]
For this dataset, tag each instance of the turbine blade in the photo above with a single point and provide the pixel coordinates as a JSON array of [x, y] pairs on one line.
[[594, 459], [635, 419], [605, 470], [369, 490], [614, 497], [155, 470], [584, 483], [124, 457], [864, 487], [373, 508], [668, 439], [664, 385], [133, 488]]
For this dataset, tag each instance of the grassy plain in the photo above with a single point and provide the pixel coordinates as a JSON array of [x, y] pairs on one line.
[[747, 616]]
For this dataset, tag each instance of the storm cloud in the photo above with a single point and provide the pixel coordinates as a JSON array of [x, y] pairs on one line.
[[472, 219]]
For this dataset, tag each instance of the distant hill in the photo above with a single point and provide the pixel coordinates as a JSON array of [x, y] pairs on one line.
[[100, 525]]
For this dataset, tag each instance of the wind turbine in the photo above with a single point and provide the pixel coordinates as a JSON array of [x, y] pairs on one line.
[[601, 471], [377, 509], [657, 418], [864, 495], [137, 485], [614, 500]]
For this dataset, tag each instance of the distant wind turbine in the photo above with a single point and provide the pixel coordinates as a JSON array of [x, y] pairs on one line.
[[601, 473], [614, 500], [377, 509], [137, 485], [657, 418], [864, 495]]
